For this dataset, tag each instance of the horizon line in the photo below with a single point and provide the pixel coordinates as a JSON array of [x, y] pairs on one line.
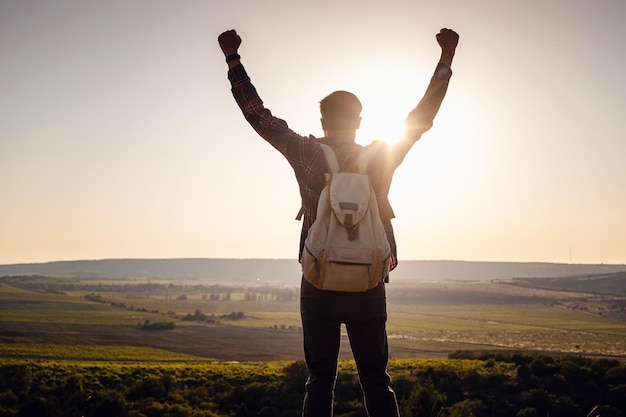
[[293, 259]]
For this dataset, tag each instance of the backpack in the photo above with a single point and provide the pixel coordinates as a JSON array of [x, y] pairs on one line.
[[346, 248]]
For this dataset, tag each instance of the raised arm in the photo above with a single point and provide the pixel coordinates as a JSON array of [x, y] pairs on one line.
[[421, 118], [273, 129]]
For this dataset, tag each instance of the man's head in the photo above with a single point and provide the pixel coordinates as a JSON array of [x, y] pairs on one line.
[[340, 110]]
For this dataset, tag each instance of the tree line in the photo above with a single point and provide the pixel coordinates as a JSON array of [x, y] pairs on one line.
[[143, 290], [466, 385]]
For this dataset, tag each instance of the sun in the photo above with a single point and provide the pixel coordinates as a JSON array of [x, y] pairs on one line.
[[381, 123], [388, 93]]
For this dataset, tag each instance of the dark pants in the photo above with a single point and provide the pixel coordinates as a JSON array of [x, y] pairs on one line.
[[365, 317]]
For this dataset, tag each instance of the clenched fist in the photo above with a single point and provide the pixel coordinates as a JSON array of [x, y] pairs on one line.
[[229, 42], [447, 39]]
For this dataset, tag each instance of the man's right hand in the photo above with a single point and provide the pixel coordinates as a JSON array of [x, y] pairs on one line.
[[229, 42]]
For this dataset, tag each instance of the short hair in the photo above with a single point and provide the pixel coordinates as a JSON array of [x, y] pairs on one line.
[[340, 109]]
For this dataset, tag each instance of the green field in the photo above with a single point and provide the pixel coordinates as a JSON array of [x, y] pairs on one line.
[[91, 353], [217, 321], [102, 348]]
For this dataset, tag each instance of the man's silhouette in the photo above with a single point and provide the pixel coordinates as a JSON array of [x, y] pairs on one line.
[[363, 313]]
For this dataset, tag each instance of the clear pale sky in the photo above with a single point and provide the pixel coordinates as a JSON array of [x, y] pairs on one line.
[[119, 137]]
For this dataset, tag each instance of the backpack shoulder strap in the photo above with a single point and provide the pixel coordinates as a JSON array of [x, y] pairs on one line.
[[300, 214], [330, 157], [333, 165], [364, 159]]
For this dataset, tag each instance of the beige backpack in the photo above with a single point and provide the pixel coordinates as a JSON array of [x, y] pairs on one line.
[[346, 248]]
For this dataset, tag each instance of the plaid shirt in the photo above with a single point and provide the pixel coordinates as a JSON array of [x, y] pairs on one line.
[[306, 156]]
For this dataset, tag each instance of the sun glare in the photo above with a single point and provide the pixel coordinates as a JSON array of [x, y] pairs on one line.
[[381, 123], [446, 170], [388, 93], [447, 163]]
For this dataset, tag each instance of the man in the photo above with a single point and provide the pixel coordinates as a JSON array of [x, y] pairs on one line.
[[363, 313]]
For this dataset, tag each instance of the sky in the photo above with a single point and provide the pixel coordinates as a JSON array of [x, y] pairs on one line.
[[119, 137]]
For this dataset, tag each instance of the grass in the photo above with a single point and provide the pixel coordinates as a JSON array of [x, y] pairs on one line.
[[500, 318], [426, 330], [27, 306], [511, 326], [268, 319], [46, 351]]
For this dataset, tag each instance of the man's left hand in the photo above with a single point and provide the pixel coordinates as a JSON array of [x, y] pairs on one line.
[[447, 39], [229, 42]]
